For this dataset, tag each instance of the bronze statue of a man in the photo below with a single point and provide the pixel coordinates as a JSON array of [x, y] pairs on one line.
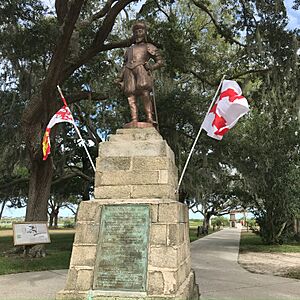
[[135, 77]]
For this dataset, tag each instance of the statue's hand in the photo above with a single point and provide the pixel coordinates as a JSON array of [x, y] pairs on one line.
[[148, 67], [119, 83]]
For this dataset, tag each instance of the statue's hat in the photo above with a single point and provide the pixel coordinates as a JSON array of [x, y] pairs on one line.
[[139, 24]]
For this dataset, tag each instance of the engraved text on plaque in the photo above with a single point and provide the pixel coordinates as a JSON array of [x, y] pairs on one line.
[[123, 246]]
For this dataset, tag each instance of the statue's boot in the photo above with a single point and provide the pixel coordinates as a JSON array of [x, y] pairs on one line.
[[133, 108], [148, 107]]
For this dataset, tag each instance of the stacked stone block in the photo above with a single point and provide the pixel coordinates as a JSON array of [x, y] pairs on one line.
[[136, 166]]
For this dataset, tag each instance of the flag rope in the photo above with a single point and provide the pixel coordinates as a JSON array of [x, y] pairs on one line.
[[198, 135], [81, 141]]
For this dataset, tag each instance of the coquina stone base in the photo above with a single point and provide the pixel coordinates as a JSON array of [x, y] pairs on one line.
[[135, 167]]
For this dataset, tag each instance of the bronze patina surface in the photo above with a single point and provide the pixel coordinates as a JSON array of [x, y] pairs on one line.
[[136, 78], [122, 250]]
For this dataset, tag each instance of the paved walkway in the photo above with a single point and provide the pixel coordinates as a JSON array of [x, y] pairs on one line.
[[32, 286], [214, 259]]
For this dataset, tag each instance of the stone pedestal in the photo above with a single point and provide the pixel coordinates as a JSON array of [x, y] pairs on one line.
[[132, 240]]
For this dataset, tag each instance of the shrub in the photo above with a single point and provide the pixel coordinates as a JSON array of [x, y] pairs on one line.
[[68, 224]]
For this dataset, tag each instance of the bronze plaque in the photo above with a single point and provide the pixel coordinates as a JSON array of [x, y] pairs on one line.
[[123, 248]]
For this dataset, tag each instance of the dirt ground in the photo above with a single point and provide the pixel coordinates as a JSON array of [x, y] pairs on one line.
[[279, 264]]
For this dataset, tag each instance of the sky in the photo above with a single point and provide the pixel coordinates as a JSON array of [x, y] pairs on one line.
[[294, 22], [294, 15], [20, 212]]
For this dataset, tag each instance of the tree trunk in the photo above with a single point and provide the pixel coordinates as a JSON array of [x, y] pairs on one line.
[[51, 218], [56, 212], [2, 208], [268, 227], [206, 222], [39, 190], [43, 105], [297, 226]]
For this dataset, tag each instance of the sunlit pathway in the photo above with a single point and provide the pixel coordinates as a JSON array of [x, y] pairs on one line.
[[214, 259]]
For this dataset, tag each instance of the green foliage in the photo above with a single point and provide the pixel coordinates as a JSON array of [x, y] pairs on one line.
[[251, 242], [263, 151], [58, 256], [252, 224], [293, 273], [194, 223], [255, 166], [193, 234], [220, 221], [68, 224]]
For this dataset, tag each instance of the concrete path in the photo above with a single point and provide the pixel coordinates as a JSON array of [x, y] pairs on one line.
[[214, 259], [32, 286]]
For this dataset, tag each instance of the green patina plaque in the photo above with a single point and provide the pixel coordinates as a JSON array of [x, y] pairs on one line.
[[121, 262]]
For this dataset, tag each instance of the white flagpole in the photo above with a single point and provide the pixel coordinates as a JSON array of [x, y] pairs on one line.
[[84, 146], [198, 135], [77, 130]]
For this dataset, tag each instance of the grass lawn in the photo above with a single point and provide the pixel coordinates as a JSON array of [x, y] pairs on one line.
[[193, 230], [59, 253], [251, 242]]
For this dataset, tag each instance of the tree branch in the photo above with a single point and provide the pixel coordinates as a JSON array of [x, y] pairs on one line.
[[238, 75], [67, 176], [79, 96], [100, 37], [92, 131], [90, 53], [70, 208], [13, 183], [203, 79], [100, 14], [61, 8], [114, 45], [74, 98], [41, 105], [161, 10], [61, 51], [219, 28], [71, 175], [250, 72]]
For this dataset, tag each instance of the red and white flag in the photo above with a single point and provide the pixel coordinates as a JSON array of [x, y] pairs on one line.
[[63, 115], [227, 110]]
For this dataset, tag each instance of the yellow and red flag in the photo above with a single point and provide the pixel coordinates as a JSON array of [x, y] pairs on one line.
[[63, 115]]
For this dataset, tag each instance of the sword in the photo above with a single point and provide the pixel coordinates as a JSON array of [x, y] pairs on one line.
[[154, 104]]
